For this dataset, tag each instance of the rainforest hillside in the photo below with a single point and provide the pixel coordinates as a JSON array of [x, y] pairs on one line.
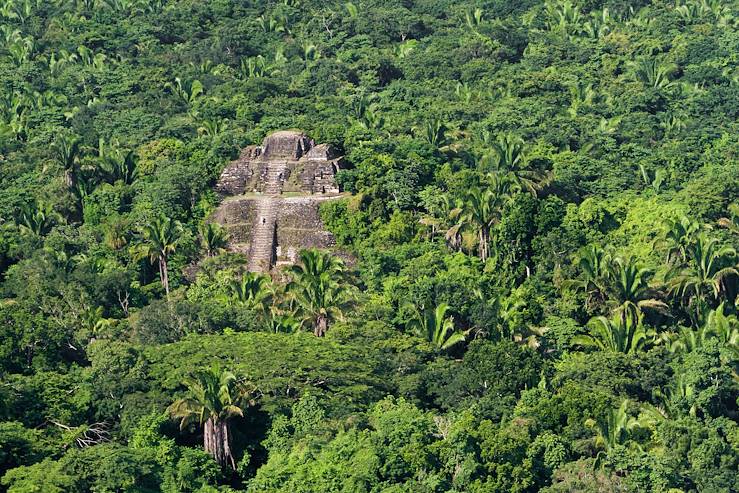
[[541, 215]]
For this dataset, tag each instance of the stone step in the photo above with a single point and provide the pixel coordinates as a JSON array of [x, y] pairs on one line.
[[261, 253]]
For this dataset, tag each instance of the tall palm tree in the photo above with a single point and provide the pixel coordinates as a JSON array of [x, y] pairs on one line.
[[593, 262], [508, 159], [435, 326], [707, 273], [215, 398], [623, 335], [629, 289], [317, 289], [118, 166], [679, 235], [479, 212], [66, 149], [213, 238], [157, 240]]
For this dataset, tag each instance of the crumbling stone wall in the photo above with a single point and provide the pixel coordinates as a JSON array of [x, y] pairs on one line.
[[298, 220], [299, 226], [308, 168], [238, 218]]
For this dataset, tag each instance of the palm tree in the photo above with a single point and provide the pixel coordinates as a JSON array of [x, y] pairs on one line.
[[214, 127], [157, 240], [582, 95], [598, 25], [187, 91], [508, 158], [613, 429], [474, 18], [653, 72], [629, 289], [310, 52], [274, 24], [654, 180], [37, 219], [90, 58], [359, 104], [707, 272], [66, 149], [716, 325], [118, 166], [434, 326], [434, 131], [680, 233], [593, 262], [372, 118], [563, 17], [624, 335], [686, 340], [317, 290], [86, 182], [723, 327], [278, 322], [253, 67], [405, 48], [505, 321], [251, 290], [479, 212], [21, 50], [352, 10], [672, 400], [93, 322], [215, 398], [438, 207], [213, 239]]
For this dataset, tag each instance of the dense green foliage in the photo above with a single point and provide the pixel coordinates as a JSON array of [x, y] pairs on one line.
[[543, 215]]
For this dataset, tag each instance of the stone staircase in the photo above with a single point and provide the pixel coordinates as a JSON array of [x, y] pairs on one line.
[[262, 250], [275, 178]]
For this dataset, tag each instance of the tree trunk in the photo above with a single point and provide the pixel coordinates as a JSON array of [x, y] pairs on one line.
[[217, 442], [69, 178], [484, 244], [164, 275], [321, 326]]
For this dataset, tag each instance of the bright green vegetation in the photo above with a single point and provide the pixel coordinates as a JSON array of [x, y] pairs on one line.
[[543, 219]]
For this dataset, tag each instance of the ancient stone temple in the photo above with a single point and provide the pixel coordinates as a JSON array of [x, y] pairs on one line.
[[272, 198]]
